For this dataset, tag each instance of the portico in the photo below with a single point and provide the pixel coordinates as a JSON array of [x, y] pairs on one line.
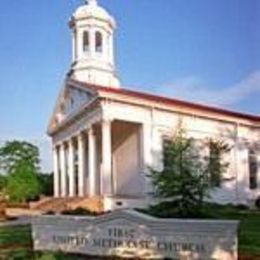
[[101, 160]]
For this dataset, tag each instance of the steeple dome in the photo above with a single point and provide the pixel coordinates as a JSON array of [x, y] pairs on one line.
[[92, 9], [93, 45]]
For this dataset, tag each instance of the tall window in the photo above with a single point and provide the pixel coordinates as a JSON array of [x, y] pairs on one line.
[[85, 41], [166, 146], [216, 165], [99, 42], [253, 168]]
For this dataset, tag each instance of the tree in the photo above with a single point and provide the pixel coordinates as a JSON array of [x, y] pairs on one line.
[[3, 181], [46, 182], [22, 183], [15, 152], [20, 162], [183, 183]]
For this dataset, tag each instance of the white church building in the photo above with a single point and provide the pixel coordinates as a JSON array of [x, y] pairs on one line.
[[106, 138]]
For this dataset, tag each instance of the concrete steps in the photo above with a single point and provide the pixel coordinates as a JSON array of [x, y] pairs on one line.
[[58, 205], [93, 204]]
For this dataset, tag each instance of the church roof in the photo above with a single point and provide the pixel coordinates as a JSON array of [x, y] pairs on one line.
[[158, 99]]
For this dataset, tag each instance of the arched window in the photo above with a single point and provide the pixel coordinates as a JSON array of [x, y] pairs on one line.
[[85, 42], [99, 42], [253, 168]]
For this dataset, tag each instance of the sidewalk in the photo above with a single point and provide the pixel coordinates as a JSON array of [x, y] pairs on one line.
[[22, 220]]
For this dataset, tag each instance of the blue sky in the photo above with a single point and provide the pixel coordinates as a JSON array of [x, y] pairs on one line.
[[200, 50]]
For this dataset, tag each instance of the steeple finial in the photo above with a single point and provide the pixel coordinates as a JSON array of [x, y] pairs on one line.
[[92, 2]]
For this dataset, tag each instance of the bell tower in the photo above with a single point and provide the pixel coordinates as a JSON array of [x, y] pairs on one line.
[[93, 45]]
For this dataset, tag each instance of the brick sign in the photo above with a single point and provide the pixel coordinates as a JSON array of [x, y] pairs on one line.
[[127, 233]]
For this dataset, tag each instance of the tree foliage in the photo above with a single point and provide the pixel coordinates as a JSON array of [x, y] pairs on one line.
[[46, 182], [13, 153], [3, 181], [183, 182], [20, 162], [23, 183]]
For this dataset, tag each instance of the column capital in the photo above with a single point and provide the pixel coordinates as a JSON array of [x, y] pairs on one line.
[[91, 131], [80, 136], [70, 141], [107, 120], [55, 147], [63, 144]]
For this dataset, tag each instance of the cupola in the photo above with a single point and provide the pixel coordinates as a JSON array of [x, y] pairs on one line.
[[93, 45]]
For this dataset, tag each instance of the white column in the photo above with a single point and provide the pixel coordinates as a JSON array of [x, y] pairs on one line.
[[74, 46], [107, 187], [63, 171], [81, 165], [71, 169], [111, 49], [56, 174], [92, 163]]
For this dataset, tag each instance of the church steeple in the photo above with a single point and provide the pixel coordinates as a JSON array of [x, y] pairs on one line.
[[93, 45]]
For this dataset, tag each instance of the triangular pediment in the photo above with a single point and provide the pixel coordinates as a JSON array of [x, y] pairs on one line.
[[72, 98]]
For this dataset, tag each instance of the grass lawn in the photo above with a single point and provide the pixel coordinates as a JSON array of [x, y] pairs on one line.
[[16, 242], [249, 230]]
